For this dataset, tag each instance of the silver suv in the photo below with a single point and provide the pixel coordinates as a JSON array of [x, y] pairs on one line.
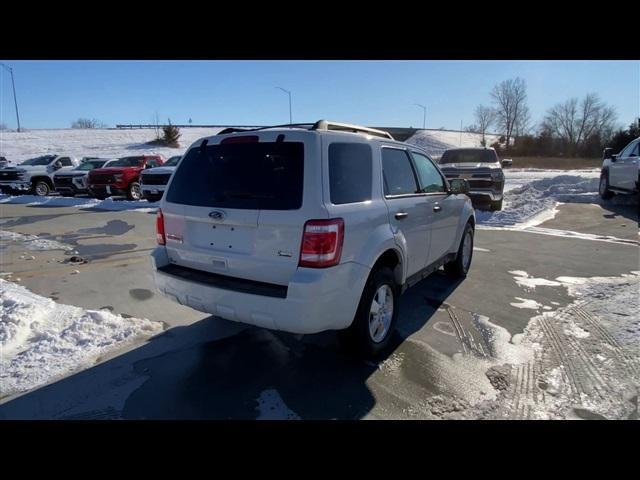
[[309, 227]]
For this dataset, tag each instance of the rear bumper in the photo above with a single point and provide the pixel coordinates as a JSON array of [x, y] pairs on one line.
[[315, 300]]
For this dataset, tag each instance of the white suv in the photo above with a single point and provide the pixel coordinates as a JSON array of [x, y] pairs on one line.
[[621, 172], [309, 227]]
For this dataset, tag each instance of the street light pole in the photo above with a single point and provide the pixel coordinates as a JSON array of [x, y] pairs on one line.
[[288, 93], [424, 117], [15, 100]]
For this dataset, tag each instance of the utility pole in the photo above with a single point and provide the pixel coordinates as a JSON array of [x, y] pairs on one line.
[[15, 100], [424, 116], [288, 93]]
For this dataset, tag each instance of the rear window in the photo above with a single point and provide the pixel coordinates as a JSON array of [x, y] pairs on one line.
[[349, 172], [128, 162], [469, 156], [265, 175]]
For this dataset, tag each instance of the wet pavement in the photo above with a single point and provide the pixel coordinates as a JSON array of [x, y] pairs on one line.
[[203, 367]]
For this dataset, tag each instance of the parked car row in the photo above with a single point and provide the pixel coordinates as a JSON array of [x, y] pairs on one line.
[[94, 176]]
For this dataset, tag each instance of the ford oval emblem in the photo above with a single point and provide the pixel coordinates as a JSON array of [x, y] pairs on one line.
[[217, 215]]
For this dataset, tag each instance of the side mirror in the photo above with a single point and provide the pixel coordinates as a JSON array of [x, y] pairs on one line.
[[507, 162], [607, 153], [458, 185]]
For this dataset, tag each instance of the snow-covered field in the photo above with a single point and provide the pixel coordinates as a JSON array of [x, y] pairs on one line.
[[17, 147], [41, 340], [435, 142]]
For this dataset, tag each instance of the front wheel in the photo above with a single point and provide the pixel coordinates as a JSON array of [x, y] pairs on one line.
[[377, 313], [603, 188], [134, 192], [41, 188], [459, 267], [496, 206]]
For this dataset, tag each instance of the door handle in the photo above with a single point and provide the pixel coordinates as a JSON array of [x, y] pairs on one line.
[[401, 215], [437, 208]]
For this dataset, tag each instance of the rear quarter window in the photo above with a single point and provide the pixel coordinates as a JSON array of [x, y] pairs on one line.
[[350, 172], [252, 176]]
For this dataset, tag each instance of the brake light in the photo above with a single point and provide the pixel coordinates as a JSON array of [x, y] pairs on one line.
[[322, 243], [160, 228], [241, 139]]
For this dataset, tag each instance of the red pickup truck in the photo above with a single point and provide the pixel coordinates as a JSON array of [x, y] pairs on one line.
[[121, 177]]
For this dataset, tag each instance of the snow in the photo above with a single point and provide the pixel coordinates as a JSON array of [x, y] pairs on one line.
[[435, 142], [528, 282], [29, 242], [526, 303], [81, 202], [534, 202], [110, 143], [41, 340]]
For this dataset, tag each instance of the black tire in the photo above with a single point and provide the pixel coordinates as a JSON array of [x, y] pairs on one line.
[[456, 268], [496, 206], [358, 336], [153, 198], [41, 188], [603, 187], [134, 192]]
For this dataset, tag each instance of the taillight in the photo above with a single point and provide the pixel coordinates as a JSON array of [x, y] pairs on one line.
[[160, 228], [322, 243]]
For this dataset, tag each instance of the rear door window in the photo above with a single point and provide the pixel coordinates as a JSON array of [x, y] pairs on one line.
[[260, 175], [350, 172], [397, 171]]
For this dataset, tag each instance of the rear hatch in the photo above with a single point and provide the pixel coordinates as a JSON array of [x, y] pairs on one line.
[[238, 208]]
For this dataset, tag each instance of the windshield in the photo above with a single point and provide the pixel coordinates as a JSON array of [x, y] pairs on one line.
[[469, 155], [91, 164], [128, 162], [45, 160], [263, 175], [172, 162]]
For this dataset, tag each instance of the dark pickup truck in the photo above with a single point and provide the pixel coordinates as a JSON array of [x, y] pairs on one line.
[[122, 177], [482, 169]]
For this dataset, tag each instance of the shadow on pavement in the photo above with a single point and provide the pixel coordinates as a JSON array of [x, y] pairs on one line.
[[214, 369]]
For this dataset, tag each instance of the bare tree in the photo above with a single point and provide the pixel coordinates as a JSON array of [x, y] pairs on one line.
[[575, 121], [484, 116], [156, 125], [87, 123], [510, 97]]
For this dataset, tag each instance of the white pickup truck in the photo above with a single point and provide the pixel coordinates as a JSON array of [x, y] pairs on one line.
[[621, 172], [36, 174]]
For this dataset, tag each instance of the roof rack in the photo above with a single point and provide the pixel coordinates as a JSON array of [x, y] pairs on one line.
[[329, 125], [319, 125]]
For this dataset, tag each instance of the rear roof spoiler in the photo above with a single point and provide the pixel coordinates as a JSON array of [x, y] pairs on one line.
[[319, 125]]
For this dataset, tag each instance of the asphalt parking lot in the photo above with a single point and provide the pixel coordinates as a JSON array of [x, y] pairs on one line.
[[202, 367]]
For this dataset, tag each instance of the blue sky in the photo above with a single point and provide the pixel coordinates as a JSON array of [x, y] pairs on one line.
[[51, 94]]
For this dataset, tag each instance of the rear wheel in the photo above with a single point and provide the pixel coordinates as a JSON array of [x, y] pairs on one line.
[[459, 267], [134, 192], [377, 313], [41, 188], [603, 188]]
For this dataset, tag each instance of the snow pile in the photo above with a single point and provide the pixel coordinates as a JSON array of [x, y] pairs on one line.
[[536, 201], [81, 202], [30, 242], [41, 341], [435, 142], [108, 143]]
